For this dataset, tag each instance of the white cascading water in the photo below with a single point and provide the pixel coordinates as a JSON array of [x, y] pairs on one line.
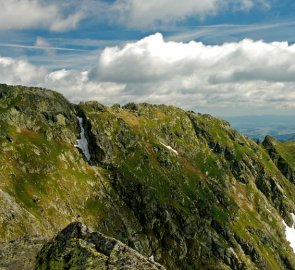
[[290, 233], [82, 143]]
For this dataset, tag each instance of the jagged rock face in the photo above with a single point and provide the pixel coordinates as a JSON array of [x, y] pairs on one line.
[[76, 246], [282, 155], [45, 181], [181, 186]]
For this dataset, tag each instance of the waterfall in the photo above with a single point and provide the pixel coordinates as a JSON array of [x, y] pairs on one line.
[[82, 143]]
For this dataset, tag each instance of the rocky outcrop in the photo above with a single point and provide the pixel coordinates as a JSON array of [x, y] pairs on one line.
[[76, 247], [270, 144]]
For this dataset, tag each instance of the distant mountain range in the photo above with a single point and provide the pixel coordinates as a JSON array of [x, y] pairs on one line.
[[282, 127]]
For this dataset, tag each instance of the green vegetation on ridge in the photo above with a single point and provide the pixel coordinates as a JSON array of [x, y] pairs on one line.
[[181, 186]]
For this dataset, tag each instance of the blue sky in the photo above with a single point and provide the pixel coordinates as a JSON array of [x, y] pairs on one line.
[[231, 57]]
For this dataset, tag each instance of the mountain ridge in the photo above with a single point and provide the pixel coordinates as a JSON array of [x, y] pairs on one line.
[[180, 186]]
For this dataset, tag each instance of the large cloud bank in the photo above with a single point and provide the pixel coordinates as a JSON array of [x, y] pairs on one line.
[[243, 75]]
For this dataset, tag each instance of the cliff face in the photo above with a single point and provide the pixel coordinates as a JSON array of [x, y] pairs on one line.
[[283, 155], [182, 187]]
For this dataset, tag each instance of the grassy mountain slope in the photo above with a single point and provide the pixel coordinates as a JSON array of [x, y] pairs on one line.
[[181, 186]]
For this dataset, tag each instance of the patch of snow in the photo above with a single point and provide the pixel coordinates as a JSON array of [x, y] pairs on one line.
[[82, 143], [290, 233], [152, 258], [170, 148]]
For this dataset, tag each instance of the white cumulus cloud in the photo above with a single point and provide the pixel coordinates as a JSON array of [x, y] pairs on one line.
[[27, 14], [239, 77], [74, 84], [245, 73], [20, 71]]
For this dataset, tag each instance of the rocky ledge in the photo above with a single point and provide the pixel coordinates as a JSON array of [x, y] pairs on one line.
[[76, 247]]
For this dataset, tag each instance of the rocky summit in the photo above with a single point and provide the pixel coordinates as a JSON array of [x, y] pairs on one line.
[[151, 182]]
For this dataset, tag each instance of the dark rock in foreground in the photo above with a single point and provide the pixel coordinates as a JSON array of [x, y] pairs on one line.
[[76, 247]]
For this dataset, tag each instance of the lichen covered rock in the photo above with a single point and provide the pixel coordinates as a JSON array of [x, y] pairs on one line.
[[76, 247]]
